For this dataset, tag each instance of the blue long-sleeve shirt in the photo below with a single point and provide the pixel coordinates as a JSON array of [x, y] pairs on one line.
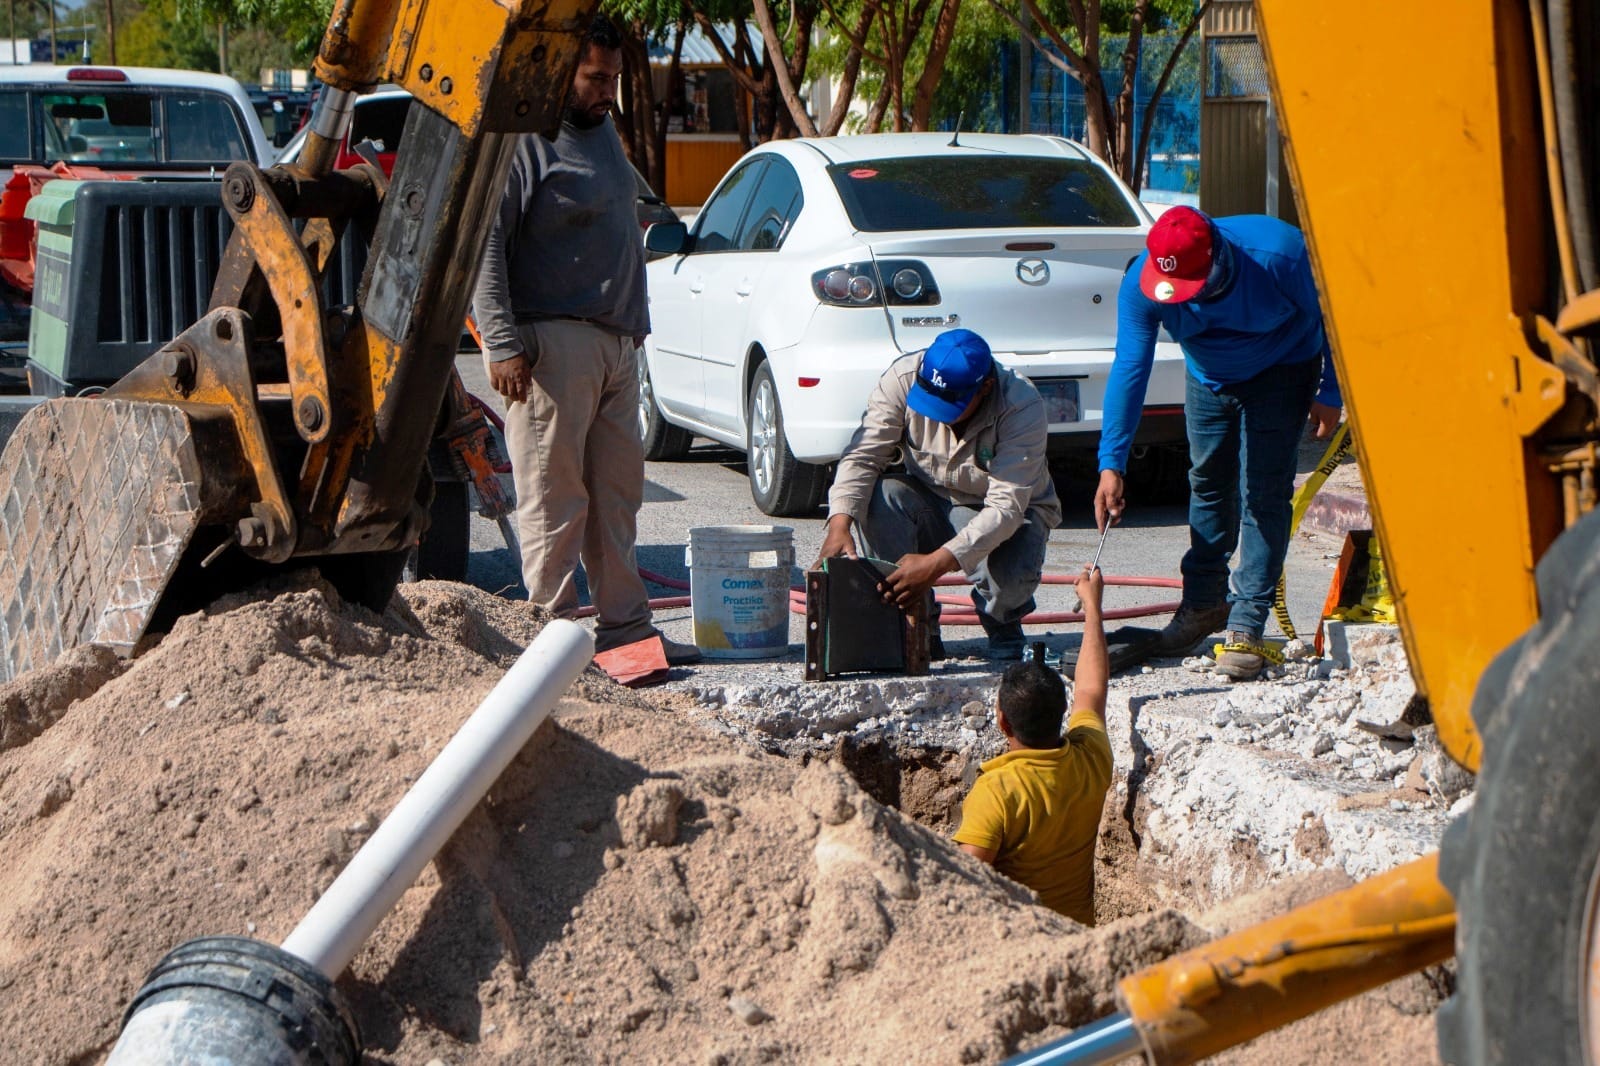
[[1266, 315]]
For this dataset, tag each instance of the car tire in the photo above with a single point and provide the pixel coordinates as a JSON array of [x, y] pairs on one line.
[[662, 439], [780, 484], [1524, 865]]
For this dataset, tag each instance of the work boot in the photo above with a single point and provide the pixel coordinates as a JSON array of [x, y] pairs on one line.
[[1241, 658], [677, 654], [1006, 642], [680, 654], [1190, 625]]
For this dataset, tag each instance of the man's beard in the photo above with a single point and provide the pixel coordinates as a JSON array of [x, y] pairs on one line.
[[583, 120]]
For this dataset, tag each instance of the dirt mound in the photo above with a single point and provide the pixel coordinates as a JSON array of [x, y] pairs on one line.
[[633, 889]]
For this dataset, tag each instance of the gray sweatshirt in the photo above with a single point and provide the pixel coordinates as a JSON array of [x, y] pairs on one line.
[[565, 241]]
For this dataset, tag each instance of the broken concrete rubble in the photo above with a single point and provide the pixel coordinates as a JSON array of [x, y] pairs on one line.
[[1226, 786]]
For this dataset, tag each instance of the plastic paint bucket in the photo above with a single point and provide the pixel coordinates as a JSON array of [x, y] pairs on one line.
[[739, 590]]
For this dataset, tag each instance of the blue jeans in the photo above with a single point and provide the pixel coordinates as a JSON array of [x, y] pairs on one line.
[[1247, 432], [906, 516]]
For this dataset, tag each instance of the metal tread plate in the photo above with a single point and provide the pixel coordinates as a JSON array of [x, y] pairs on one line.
[[99, 499]]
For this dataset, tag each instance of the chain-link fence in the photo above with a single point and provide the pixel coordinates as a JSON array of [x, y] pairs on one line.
[[1235, 67]]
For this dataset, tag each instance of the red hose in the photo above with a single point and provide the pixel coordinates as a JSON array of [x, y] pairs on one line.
[[967, 616]]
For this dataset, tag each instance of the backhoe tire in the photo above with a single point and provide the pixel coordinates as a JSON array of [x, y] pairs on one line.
[[780, 484], [442, 554], [1524, 863]]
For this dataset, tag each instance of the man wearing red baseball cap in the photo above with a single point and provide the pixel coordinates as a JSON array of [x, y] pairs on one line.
[[948, 472], [1238, 296]]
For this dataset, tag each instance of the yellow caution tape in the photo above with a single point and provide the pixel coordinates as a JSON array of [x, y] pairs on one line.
[[1376, 605], [1338, 448], [1270, 651]]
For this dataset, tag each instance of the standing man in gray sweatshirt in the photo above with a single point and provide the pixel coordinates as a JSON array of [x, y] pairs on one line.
[[561, 306]]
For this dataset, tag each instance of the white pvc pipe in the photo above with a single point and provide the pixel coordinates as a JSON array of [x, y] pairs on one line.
[[331, 933]]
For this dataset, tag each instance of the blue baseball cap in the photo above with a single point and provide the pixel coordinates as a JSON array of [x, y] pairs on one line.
[[952, 371]]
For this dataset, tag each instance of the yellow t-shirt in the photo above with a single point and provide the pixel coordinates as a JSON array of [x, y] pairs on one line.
[[1039, 808]]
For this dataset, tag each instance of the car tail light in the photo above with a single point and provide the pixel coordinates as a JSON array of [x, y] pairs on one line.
[[897, 282], [96, 74]]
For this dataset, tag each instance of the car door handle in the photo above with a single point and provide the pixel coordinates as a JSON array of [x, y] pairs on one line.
[[744, 288], [697, 286]]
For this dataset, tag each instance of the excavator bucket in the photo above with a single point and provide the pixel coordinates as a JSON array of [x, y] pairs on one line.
[[99, 501], [292, 422]]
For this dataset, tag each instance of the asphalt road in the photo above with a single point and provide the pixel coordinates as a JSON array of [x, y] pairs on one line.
[[710, 487]]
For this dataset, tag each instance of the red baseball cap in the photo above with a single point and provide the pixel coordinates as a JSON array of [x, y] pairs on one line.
[[1180, 256]]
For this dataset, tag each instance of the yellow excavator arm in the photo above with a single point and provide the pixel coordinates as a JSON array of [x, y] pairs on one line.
[[278, 428]]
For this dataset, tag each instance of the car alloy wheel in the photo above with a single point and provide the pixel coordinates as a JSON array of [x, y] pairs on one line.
[[662, 439], [780, 484], [647, 398], [764, 438]]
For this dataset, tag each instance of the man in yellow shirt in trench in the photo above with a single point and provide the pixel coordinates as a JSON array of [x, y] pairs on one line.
[[1034, 813]]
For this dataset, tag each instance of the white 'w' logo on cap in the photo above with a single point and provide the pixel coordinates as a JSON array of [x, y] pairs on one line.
[[1168, 263]]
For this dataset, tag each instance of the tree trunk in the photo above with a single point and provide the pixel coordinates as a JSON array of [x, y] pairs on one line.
[[879, 106], [51, 6], [779, 65], [1142, 157], [111, 34], [663, 116], [1097, 130], [222, 47], [641, 121], [847, 80], [944, 32], [743, 104], [1122, 156]]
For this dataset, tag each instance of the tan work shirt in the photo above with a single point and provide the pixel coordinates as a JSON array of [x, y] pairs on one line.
[[997, 462]]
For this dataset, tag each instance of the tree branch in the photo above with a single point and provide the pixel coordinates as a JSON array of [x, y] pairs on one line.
[[1143, 154], [780, 68]]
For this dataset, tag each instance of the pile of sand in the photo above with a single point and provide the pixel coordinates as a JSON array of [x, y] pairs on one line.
[[633, 889]]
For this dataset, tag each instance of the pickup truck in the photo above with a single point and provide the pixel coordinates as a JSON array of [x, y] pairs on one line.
[[125, 123]]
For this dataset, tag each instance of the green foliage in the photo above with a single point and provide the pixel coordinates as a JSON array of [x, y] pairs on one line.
[[254, 49], [970, 88], [971, 81], [298, 23], [162, 36], [33, 18]]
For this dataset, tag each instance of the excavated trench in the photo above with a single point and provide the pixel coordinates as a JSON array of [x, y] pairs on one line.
[[928, 784]]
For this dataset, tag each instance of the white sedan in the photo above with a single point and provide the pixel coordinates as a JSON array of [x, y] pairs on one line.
[[817, 262]]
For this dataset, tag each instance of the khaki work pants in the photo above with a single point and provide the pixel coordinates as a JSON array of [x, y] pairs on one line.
[[578, 464]]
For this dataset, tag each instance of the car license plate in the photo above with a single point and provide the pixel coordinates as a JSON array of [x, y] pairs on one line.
[[1060, 400]]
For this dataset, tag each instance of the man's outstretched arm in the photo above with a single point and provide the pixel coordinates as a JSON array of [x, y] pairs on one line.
[[1092, 678]]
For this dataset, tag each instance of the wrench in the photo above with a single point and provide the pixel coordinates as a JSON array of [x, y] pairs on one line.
[[1077, 601]]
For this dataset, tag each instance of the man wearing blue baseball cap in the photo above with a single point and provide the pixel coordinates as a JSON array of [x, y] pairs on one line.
[[947, 472]]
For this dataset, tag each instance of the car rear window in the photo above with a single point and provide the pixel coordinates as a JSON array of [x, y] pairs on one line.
[[979, 192], [139, 127]]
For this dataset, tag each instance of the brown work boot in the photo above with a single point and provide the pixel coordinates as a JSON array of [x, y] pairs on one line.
[[1189, 626], [680, 654], [1241, 658]]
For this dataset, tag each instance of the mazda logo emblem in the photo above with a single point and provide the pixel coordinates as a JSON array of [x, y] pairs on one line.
[[1033, 271]]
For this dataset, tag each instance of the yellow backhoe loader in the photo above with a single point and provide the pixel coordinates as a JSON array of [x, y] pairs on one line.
[[1446, 159], [1447, 187]]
